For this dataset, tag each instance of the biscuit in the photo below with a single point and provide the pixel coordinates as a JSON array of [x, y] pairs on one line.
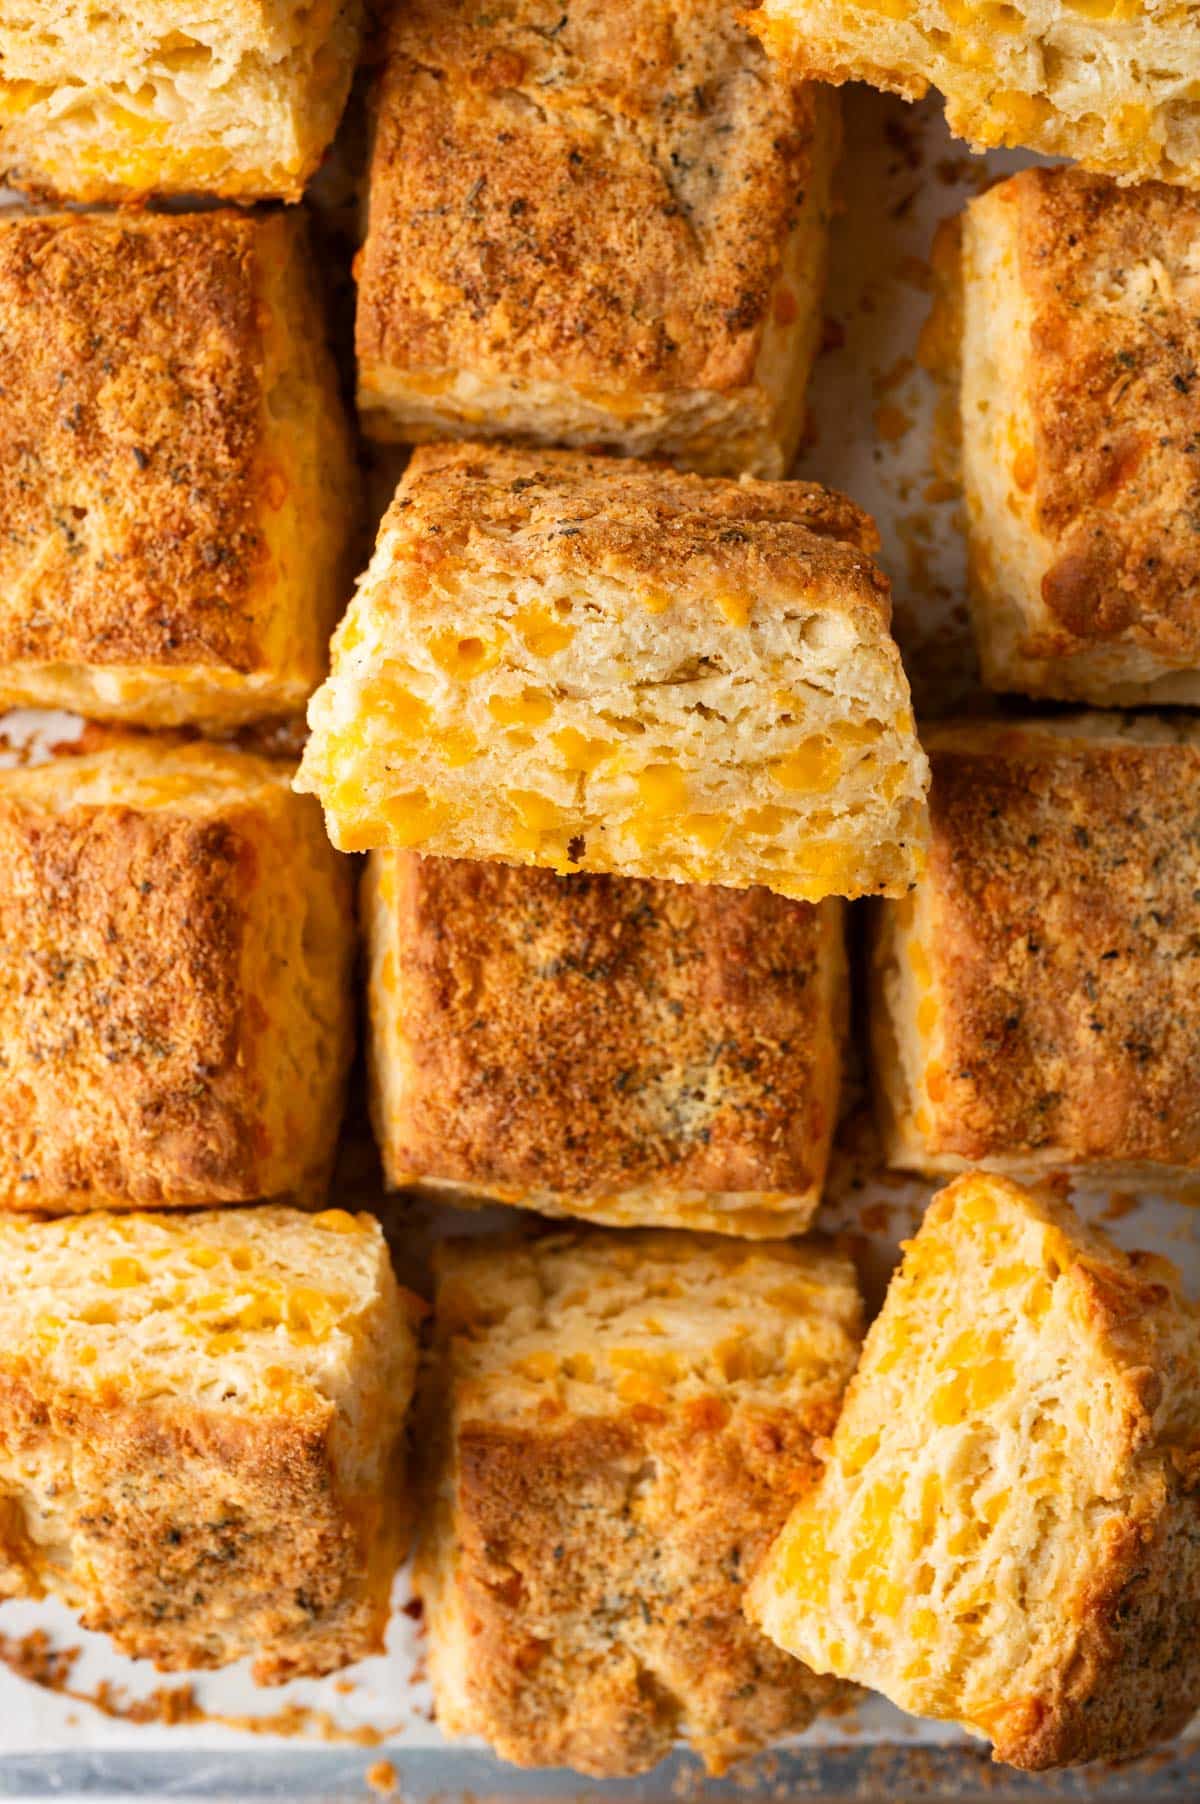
[[620, 1424], [170, 435], [176, 940], [604, 227], [1108, 83], [1007, 1532], [148, 97], [594, 664], [638, 1053], [1081, 456], [201, 1431], [1036, 1001]]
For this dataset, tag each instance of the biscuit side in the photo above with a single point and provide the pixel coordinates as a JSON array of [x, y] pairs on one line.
[[1114, 94], [1006, 1533], [150, 99]]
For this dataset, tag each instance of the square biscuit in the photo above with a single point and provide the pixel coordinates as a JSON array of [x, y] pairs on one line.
[[619, 1425], [239, 98], [201, 1431], [1036, 1000], [1006, 1532], [597, 664], [603, 227], [171, 435], [637, 1053], [1081, 436], [176, 942], [1109, 83]]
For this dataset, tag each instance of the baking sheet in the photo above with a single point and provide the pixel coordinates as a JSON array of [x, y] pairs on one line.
[[877, 432]]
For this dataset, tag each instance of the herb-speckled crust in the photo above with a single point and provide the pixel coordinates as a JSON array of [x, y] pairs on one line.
[[1114, 379], [167, 1033], [201, 1432], [152, 369], [601, 194], [206, 1537], [1064, 870], [588, 1034], [557, 509], [585, 1553]]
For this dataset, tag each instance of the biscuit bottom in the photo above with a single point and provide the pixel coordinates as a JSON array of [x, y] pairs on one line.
[[1005, 1534], [1101, 81]]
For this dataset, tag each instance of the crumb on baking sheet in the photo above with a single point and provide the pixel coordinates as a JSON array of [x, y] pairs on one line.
[[33, 1657]]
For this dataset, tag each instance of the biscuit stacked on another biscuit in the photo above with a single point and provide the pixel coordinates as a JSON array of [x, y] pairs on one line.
[[618, 1425], [1007, 1532], [146, 97], [595, 664]]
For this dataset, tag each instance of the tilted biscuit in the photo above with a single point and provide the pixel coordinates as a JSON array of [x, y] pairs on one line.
[[618, 1425], [601, 226], [1108, 83], [639, 1053], [233, 97], [1081, 436], [1036, 1000], [176, 942], [1007, 1531], [201, 1422], [595, 664], [178, 497]]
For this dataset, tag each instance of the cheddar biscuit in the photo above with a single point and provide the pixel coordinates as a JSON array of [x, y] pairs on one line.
[[1037, 999], [177, 486], [638, 1053], [1081, 453], [142, 97], [596, 226], [620, 1423], [201, 1426], [176, 938], [594, 664], [1109, 83], [1005, 1534]]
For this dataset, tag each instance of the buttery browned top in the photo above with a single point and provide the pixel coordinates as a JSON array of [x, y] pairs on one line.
[[1114, 283], [1066, 944], [130, 404], [597, 193], [543, 511], [587, 1033], [122, 1028]]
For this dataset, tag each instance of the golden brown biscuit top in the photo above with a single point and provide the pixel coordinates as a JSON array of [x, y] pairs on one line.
[[120, 967], [598, 193], [1113, 276], [1066, 940], [595, 1033], [560, 511], [130, 403]]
